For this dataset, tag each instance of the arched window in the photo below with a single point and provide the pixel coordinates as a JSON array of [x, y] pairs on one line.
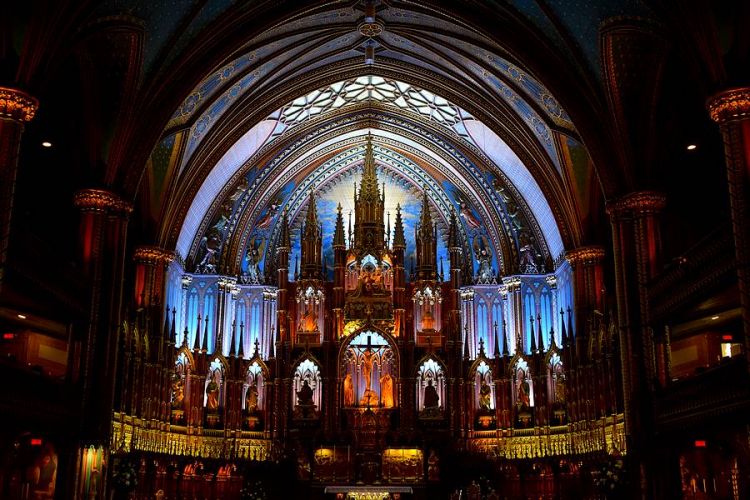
[[255, 321], [529, 310], [209, 306], [547, 314], [239, 318], [497, 318], [482, 327], [192, 311]]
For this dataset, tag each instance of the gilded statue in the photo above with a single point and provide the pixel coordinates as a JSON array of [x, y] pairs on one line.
[[178, 391], [348, 390], [251, 398], [523, 389], [386, 391], [212, 393], [369, 398], [485, 396]]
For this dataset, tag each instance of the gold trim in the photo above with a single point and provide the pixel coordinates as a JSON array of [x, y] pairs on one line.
[[101, 200], [637, 202], [585, 255], [17, 105], [152, 255], [730, 105]]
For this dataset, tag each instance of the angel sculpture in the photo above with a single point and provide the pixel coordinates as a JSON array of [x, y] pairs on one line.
[[254, 256], [484, 258]]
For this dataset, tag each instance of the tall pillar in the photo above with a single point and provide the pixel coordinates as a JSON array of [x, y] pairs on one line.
[[731, 110], [636, 246], [150, 271], [16, 109], [588, 281], [104, 218]]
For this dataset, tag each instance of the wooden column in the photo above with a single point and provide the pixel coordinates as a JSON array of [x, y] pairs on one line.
[[636, 249], [731, 110], [16, 109]]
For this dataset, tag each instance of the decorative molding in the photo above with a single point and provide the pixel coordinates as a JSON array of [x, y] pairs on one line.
[[100, 200], [730, 105], [17, 105], [152, 255], [587, 256], [638, 202]]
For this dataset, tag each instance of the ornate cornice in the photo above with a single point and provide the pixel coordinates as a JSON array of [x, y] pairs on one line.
[[17, 105], [585, 255], [730, 105], [100, 200], [639, 202], [153, 255]]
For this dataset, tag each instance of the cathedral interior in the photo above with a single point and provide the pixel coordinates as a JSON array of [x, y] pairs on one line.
[[375, 249]]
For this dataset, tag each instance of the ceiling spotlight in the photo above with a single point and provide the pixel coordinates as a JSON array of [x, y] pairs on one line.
[[21, 316], [47, 144], [714, 317], [691, 147]]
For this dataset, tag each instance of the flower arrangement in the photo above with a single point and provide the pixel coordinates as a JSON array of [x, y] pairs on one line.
[[124, 476], [253, 491], [610, 477]]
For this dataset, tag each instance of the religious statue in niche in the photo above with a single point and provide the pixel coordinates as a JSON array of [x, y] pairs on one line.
[[212, 391], [485, 397], [433, 467], [305, 395], [523, 389], [348, 390], [483, 255], [386, 391], [251, 398], [178, 391], [431, 397]]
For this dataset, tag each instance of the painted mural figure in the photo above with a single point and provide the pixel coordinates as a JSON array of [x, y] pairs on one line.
[[348, 390], [431, 397]]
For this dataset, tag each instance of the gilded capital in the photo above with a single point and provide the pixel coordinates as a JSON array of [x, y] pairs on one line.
[[585, 255], [17, 105], [152, 255], [639, 202], [730, 105], [100, 200]]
